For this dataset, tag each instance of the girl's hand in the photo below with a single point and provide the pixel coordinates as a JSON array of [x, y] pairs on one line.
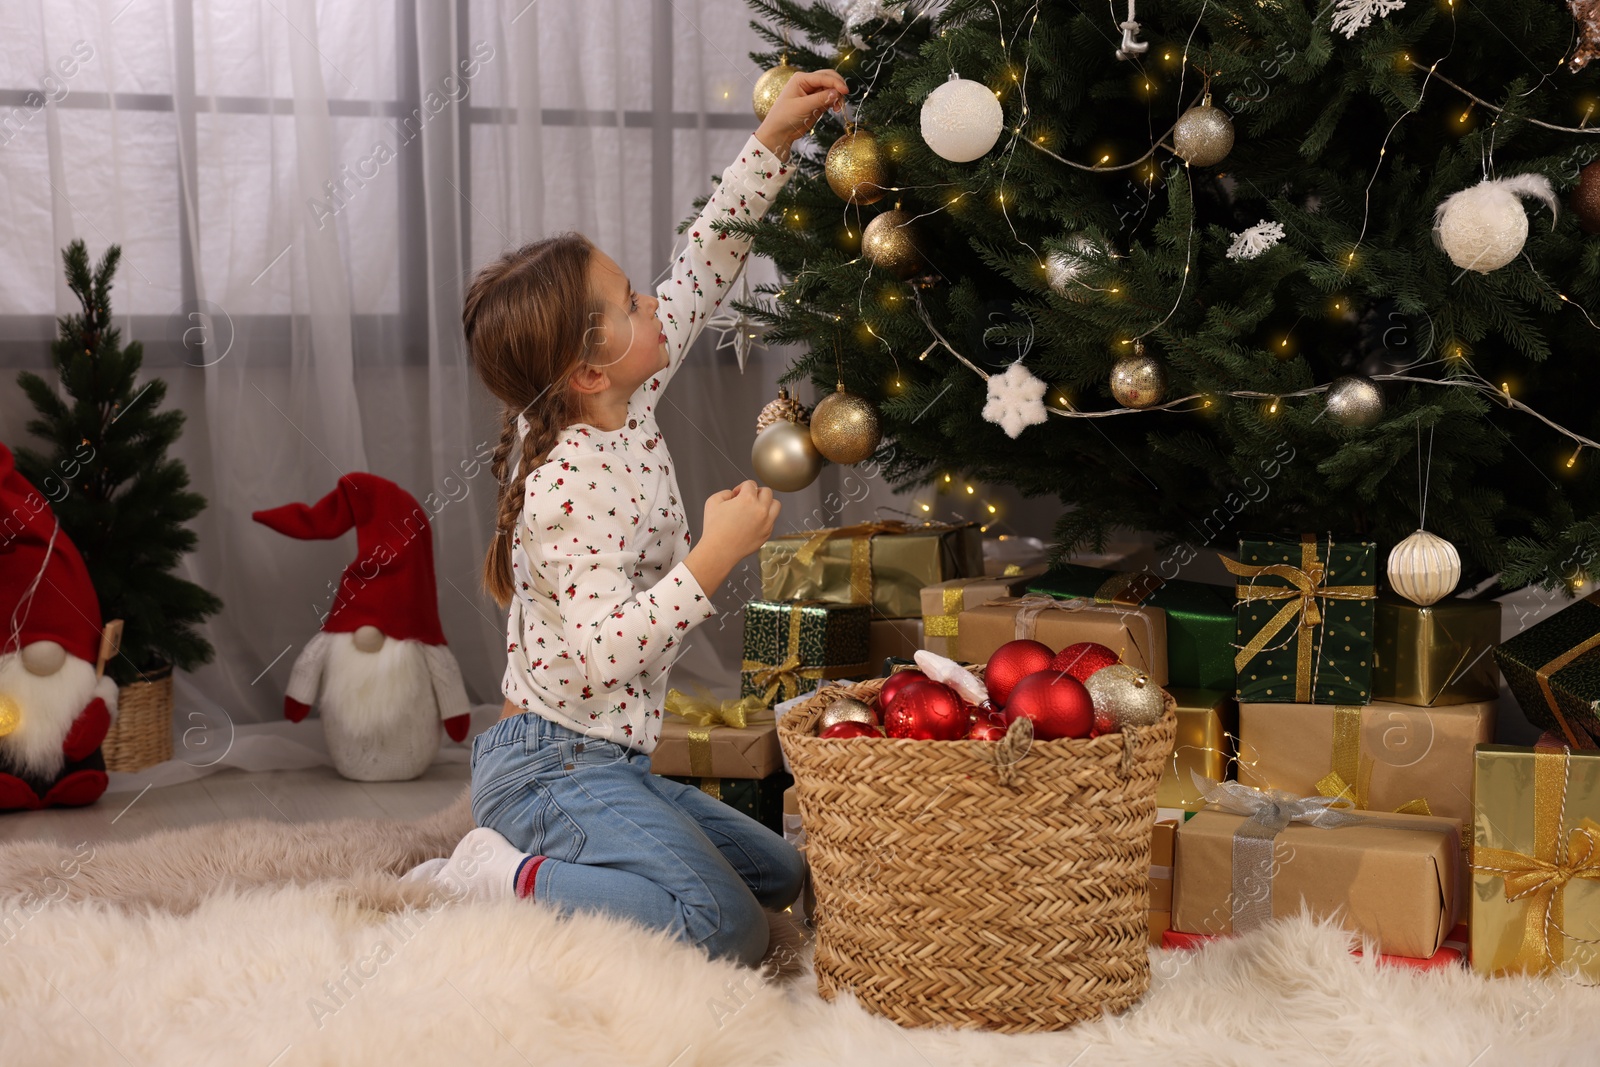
[[738, 521], [804, 98]]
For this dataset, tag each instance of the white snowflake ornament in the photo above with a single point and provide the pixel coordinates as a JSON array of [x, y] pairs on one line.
[[1352, 16], [1016, 400], [1256, 240]]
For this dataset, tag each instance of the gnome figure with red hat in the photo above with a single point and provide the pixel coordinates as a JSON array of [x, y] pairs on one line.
[[379, 669], [56, 704]]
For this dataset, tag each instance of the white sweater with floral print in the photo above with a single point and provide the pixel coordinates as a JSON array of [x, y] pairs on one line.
[[603, 600]]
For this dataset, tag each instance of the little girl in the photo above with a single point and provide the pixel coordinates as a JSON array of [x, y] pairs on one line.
[[593, 557]]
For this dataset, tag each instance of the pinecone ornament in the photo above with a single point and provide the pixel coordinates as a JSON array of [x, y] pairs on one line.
[[784, 409]]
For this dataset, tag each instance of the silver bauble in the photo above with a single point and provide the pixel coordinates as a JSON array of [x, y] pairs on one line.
[[1424, 568], [1355, 401], [1203, 135], [845, 709], [784, 457]]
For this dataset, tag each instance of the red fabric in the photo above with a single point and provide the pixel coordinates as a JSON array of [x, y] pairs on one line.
[[390, 584], [88, 730], [76, 790], [63, 607], [525, 875], [293, 710], [457, 726], [1451, 953], [17, 795]]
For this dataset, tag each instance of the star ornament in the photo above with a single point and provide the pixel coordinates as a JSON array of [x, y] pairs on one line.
[[736, 330], [1016, 400]]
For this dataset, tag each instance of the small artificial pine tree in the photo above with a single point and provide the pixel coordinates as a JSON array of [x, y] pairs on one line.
[[1353, 121], [117, 495]]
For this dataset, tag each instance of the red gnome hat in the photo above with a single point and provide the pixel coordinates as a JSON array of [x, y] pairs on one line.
[[390, 583], [45, 592]]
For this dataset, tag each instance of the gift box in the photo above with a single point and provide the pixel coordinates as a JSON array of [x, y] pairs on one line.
[[1453, 953], [1200, 617], [1160, 906], [884, 564], [943, 603], [1305, 620], [1439, 654], [892, 639], [1138, 635], [1380, 756], [1391, 877], [1536, 861], [1553, 668], [703, 738], [790, 645], [759, 798], [1208, 721]]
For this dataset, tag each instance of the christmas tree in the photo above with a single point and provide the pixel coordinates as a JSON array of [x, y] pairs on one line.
[[118, 496], [1294, 350]]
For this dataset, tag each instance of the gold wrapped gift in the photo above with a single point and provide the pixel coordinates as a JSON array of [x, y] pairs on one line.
[[1439, 654], [943, 603], [1380, 757], [1536, 862], [884, 564], [706, 738], [1137, 634], [1208, 721], [1160, 907]]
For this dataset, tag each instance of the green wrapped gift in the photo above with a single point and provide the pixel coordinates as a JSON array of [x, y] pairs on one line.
[[1554, 669], [790, 644], [1305, 620], [1200, 620], [884, 564], [759, 798]]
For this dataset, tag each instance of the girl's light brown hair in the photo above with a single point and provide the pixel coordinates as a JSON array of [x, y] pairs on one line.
[[525, 317]]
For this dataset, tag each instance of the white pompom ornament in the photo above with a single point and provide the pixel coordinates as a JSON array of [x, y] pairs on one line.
[[961, 120], [1484, 227], [1424, 568]]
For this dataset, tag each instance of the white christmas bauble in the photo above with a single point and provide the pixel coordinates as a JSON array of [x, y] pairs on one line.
[[1483, 228], [961, 120], [1424, 568]]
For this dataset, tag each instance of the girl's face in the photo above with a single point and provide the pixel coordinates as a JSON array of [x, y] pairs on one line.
[[626, 340]]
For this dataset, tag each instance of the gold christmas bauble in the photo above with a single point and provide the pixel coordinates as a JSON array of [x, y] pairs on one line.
[[769, 85], [1124, 696], [1355, 401], [784, 409], [1586, 198], [857, 168], [10, 714], [784, 457], [1424, 568], [845, 427], [1138, 381], [1203, 135], [845, 709], [890, 243]]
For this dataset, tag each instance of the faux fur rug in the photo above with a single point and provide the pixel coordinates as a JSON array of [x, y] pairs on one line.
[[238, 966]]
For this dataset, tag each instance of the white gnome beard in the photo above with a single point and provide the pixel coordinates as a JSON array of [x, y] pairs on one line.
[[371, 692], [49, 705]]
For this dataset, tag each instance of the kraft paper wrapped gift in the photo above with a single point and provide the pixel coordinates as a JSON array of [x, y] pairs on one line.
[[790, 645], [1208, 722], [1138, 635], [1554, 669], [892, 639], [703, 738], [1435, 655], [943, 603], [1391, 877], [1160, 906], [883, 564], [1380, 757], [1536, 862], [759, 798], [1200, 617], [1305, 619]]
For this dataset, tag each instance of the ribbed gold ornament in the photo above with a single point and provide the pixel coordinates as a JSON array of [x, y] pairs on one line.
[[1138, 381], [845, 427], [890, 243], [1203, 135], [769, 85], [784, 409], [1424, 568], [857, 167]]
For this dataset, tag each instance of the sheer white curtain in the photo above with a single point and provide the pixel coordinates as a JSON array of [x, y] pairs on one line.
[[301, 191]]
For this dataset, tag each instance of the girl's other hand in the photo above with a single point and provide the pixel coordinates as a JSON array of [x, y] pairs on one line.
[[804, 98]]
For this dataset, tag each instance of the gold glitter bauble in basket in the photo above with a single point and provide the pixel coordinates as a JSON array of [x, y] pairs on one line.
[[955, 888]]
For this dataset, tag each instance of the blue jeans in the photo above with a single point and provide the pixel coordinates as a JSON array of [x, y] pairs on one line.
[[622, 841]]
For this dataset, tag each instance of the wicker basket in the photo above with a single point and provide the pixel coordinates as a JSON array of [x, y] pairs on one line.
[[978, 884], [142, 732]]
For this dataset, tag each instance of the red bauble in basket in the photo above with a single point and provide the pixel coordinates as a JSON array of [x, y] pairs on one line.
[[924, 710], [1012, 662], [892, 686], [988, 728], [1083, 659], [1058, 704], [851, 728]]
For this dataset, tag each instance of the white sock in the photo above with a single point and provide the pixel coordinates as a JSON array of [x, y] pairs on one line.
[[483, 866], [425, 871]]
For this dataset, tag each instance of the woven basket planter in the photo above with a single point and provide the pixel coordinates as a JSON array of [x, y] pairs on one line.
[[142, 733], [957, 885]]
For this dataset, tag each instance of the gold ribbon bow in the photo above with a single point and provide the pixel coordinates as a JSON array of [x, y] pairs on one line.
[[787, 675], [703, 709], [1305, 589], [1542, 879], [1351, 773]]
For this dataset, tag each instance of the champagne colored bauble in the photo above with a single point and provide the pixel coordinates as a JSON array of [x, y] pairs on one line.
[[1203, 136], [769, 85], [784, 409], [988, 728], [1012, 662], [846, 709], [1355, 401], [1058, 704], [857, 167], [10, 714], [890, 243], [892, 686], [43, 658], [1484, 227], [845, 427], [1083, 659], [1586, 198], [1139, 380], [961, 120], [1124, 696], [851, 728], [1424, 568], [924, 710], [784, 457]]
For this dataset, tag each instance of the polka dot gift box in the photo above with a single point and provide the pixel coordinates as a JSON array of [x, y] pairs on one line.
[[1304, 612]]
